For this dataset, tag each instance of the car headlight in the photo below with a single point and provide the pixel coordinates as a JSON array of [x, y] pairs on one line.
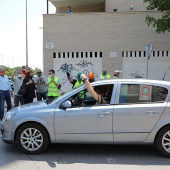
[[8, 116]]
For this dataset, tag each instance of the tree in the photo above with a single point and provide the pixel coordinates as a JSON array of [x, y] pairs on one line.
[[161, 24], [9, 71]]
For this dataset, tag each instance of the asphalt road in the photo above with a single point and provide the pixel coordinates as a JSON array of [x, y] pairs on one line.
[[84, 157]]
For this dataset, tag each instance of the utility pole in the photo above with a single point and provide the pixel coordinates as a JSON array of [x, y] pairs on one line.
[[26, 37], [47, 6], [148, 49]]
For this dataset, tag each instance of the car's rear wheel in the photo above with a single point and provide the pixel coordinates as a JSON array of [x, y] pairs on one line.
[[163, 141], [32, 138]]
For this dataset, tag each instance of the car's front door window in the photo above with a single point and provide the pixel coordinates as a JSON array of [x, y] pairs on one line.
[[84, 98]]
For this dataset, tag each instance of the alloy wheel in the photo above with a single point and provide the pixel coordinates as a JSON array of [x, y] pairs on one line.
[[31, 139], [166, 141]]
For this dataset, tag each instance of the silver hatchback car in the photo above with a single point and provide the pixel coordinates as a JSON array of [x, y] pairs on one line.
[[138, 112]]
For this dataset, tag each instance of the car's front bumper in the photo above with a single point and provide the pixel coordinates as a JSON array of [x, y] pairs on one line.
[[7, 136]]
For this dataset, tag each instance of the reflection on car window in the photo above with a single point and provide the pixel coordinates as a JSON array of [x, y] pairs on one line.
[[84, 98], [160, 93], [139, 93]]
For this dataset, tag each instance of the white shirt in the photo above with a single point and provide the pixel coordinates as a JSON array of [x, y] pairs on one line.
[[17, 84]]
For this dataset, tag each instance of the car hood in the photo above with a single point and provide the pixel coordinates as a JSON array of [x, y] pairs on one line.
[[30, 106]]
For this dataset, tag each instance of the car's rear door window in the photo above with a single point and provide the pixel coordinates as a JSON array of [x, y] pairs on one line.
[[139, 93]]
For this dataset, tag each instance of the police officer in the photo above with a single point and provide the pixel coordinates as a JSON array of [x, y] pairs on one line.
[[53, 85], [104, 74]]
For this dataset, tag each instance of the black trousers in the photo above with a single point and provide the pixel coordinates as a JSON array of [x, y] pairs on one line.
[[28, 100]]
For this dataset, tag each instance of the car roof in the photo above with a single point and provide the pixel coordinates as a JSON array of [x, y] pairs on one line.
[[140, 80]]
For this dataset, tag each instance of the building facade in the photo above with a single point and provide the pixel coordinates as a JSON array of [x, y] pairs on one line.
[[100, 34]]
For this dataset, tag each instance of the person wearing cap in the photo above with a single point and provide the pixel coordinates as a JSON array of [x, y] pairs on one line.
[[91, 77], [40, 82], [53, 84], [104, 74], [17, 80], [75, 82], [116, 74]]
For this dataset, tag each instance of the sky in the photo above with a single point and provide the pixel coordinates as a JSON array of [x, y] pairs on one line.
[[13, 32]]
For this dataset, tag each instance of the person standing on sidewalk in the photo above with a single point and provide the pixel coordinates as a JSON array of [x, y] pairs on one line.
[[53, 84], [18, 79], [40, 82], [104, 74], [5, 90], [116, 74], [30, 88], [75, 82]]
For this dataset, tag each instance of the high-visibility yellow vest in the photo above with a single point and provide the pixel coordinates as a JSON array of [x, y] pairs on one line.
[[52, 88], [103, 77], [78, 84]]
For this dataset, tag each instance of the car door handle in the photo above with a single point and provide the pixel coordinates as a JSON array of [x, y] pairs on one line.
[[151, 112], [103, 113]]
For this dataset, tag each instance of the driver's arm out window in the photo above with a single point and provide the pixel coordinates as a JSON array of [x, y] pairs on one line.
[[104, 92]]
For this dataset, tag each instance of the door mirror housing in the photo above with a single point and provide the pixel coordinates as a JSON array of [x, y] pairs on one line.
[[65, 105]]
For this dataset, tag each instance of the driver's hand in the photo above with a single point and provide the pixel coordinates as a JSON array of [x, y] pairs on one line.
[[82, 76]]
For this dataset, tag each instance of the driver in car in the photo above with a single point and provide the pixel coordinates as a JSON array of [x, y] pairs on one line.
[[97, 93]]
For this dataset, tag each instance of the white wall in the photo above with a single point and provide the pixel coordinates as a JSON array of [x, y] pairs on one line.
[[157, 66], [75, 65]]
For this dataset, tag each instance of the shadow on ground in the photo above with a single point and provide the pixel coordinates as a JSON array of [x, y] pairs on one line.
[[89, 154]]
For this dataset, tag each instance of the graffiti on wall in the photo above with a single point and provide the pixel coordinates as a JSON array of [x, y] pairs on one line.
[[136, 74], [86, 72], [67, 68], [73, 67], [84, 64]]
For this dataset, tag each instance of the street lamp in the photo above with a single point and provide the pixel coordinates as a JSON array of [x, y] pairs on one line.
[[26, 37]]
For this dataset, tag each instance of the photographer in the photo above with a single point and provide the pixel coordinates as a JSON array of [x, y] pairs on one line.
[[17, 79]]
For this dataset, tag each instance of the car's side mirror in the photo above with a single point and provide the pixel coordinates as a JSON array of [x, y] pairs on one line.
[[65, 105]]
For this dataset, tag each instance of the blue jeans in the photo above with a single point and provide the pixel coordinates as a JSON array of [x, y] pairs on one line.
[[4, 96], [41, 96]]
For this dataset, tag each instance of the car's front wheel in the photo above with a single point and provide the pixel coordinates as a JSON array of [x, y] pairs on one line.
[[163, 141], [32, 138]]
